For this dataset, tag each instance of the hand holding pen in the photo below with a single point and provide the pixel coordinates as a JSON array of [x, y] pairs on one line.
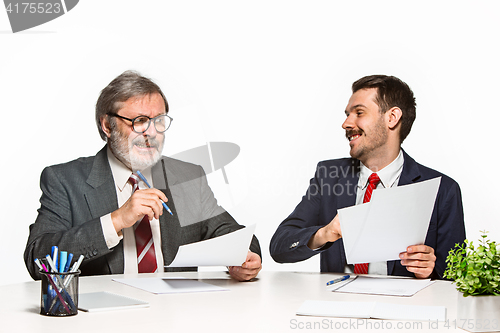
[[149, 186], [150, 202]]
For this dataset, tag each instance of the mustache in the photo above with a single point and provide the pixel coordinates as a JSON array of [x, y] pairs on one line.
[[146, 141], [352, 132]]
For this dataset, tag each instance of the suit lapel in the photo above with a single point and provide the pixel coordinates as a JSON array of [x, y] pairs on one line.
[[411, 172], [102, 199], [348, 183]]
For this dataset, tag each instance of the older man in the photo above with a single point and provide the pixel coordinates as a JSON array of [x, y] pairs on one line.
[[98, 206]]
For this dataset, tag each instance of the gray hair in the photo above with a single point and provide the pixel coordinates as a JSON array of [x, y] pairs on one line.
[[126, 85]]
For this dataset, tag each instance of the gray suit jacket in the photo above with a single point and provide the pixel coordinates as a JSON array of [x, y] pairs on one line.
[[75, 195]]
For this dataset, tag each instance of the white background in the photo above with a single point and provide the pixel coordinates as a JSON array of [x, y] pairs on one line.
[[272, 76]]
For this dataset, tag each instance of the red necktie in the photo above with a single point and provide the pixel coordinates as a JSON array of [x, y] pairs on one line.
[[146, 256], [373, 181]]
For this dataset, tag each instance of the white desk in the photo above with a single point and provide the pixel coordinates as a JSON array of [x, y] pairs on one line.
[[266, 305]]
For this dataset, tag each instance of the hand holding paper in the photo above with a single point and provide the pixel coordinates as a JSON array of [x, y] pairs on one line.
[[227, 250], [394, 220], [248, 270], [419, 259]]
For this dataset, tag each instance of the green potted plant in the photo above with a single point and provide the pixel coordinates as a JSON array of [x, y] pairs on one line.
[[476, 273]]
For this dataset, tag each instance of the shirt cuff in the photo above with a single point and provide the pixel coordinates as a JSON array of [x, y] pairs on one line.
[[110, 236], [319, 248]]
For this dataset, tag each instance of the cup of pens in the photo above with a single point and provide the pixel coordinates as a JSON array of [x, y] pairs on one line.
[[59, 294]]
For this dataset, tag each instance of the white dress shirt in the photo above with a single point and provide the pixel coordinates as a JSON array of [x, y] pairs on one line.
[[121, 175], [389, 177]]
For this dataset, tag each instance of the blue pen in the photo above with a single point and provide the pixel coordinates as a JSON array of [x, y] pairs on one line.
[[147, 184], [68, 262], [340, 279], [63, 258]]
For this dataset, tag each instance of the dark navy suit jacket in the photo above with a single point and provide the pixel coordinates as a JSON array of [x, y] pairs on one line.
[[334, 187]]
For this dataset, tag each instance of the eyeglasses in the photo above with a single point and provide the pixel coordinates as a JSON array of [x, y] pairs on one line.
[[140, 124]]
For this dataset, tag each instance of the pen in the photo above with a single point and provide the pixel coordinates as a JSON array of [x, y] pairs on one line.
[[42, 265], [62, 261], [51, 264], [50, 290], [75, 267], [68, 262], [77, 264], [55, 255], [46, 297], [39, 264], [147, 184], [343, 278]]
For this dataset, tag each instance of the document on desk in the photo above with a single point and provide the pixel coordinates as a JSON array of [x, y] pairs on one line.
[[226, 250], [104, 301], [382, 286], [375, 310], [394, 219], [169, 285]]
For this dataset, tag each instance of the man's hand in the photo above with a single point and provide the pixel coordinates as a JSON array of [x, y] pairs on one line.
[[141, 203], [250, 268], [419, 259], [329, 233]]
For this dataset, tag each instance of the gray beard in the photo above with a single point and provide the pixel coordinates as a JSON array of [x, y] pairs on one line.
[[122, 149]]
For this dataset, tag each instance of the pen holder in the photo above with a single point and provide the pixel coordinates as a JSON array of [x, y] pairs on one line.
[[59, 294]]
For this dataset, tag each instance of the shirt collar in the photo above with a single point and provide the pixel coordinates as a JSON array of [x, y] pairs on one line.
[[388, 175], [121, 173]]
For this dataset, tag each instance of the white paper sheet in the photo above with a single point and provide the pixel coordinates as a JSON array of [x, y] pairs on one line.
[[169, 285], [227, 250], [408, 312], [104, 301], [394, 219], [376, 310], [384, 286], [336, 309]]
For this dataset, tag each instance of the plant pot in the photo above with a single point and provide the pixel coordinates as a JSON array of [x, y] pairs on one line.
[[478, 313]]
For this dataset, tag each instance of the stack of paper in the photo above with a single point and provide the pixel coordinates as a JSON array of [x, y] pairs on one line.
[[381, 286], [394, 219]]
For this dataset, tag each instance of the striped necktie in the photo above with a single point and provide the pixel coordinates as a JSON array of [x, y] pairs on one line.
[[373, 182], [146, 256]]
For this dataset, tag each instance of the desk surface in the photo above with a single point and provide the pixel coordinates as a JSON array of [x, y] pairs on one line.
[[266, 305]]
